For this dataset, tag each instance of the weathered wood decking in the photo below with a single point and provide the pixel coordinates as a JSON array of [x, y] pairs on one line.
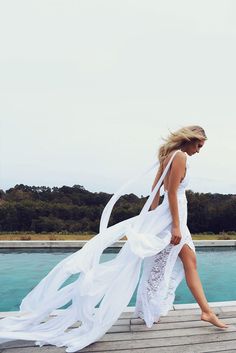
[[181, 331]]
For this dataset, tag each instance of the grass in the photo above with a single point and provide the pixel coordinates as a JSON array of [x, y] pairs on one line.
[[221, 236], [45, 236], [87, 236]]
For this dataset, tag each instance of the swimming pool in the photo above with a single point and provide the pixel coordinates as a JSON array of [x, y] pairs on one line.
[[21, 270]]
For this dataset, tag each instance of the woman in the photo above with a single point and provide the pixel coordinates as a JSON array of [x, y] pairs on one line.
[[154, 297], [101, 292]]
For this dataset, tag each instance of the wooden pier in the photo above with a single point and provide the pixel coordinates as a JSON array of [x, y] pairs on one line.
[[181, 331]]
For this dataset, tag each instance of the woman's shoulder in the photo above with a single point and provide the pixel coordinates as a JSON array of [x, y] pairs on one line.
[[179, 156]]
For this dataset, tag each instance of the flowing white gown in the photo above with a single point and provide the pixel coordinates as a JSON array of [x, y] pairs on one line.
[[111, 283], [163, 272]]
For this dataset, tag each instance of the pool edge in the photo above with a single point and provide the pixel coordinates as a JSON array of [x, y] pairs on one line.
[[226, 304], [17, 244]]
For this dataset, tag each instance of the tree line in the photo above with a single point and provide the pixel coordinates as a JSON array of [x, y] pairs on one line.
[[74, 209]]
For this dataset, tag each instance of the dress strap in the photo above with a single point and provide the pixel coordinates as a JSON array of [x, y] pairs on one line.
[[109, 206]]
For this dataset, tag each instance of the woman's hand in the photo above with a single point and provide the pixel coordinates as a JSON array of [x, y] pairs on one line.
[[176, 235]]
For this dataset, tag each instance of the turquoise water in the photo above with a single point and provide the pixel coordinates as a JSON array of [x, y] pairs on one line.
[[21, 270]]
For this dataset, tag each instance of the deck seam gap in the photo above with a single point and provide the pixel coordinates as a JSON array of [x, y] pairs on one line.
[[159, 338]]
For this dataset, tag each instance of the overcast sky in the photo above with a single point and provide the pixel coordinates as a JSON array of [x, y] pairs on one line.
[[88, 88]]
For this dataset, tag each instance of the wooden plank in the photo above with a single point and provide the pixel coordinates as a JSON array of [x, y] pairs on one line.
[[123, 328], [120, 322], [162, 342], [17, 344], [191, 311], [179, 313], [36, 349], [228, 308], [176, 325], [165, 319], [227, 351], [126, 315], [164, 333], [227, 314], [200, 348]]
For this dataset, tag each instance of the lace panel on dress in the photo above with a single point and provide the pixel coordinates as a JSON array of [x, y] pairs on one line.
[[157, 271], [153, 284]]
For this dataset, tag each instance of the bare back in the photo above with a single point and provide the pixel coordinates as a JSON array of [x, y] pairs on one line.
[[166, 179]]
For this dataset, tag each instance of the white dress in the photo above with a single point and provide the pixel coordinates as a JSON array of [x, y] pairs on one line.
[[110, 284], [163, 272]]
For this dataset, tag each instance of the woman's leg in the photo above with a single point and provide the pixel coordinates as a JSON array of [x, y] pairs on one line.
[[189, 261]]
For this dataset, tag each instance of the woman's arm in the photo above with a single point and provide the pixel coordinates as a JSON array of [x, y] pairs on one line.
[[156, 199], [176, 174]]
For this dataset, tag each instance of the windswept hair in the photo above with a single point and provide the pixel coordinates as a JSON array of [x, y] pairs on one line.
[[179, 138]]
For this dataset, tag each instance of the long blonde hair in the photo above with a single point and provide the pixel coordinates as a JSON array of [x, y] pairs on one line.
[[179, 138]]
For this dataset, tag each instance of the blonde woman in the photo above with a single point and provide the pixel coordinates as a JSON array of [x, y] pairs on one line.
[[159, 236], [160, 275]]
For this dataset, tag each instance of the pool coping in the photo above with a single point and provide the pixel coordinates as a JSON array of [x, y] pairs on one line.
[[15, 244], [226, 305]]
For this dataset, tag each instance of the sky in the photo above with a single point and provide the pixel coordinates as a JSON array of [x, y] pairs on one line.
[[88, 89]]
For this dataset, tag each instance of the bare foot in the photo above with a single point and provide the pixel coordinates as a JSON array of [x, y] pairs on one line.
[[213, 319]]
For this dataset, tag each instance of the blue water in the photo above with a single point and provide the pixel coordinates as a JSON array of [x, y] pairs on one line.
[[21, 270]]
